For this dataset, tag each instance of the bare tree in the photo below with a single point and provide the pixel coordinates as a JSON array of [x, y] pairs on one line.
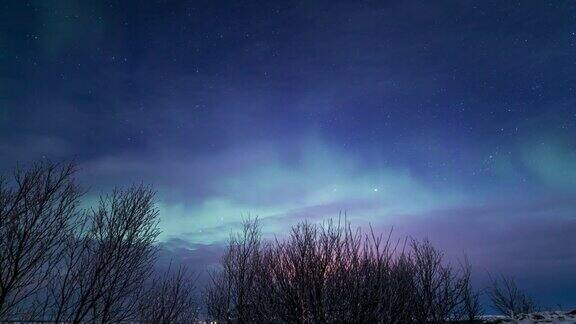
[[439, 288], [360, 272], [107, 260], [508, 299], [63, 263], [470, 308], [400, 291], [37, 208], [218, 297], [299, 271], [170, 298], [231, 294]]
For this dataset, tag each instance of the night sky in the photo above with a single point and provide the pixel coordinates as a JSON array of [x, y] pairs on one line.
[[453, 120]]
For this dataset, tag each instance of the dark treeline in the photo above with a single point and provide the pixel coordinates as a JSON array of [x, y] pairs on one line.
[[331, 273], [61, 261]]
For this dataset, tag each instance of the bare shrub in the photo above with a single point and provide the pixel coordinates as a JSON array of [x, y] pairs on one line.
[[330, 273], [37, 208], [400, 291], [360, 272], [294, 264], [439, 288], [232, 291], [471, 308], [508, 299], [170, 298], [302, 268]]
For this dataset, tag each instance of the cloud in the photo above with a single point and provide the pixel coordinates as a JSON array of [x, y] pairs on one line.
[[203, 197]]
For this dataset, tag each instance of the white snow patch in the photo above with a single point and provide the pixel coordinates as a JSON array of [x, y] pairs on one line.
[[537, 317]]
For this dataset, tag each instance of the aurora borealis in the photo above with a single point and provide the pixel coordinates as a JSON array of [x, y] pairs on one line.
[[454, 120]]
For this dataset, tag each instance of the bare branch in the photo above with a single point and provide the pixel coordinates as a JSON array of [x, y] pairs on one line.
[[37, 207]]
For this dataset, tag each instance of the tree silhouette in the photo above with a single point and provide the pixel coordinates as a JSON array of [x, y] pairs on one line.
[[169, 298], [107, 260], [38, 206], [508, 299], [327, 273]]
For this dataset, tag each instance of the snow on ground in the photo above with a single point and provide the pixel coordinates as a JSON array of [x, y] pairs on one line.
[[538, 317]]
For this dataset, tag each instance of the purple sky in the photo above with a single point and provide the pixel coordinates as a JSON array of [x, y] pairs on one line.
[[453, 120]]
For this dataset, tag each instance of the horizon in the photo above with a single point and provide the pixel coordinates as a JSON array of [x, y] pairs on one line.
[[454, 121]]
